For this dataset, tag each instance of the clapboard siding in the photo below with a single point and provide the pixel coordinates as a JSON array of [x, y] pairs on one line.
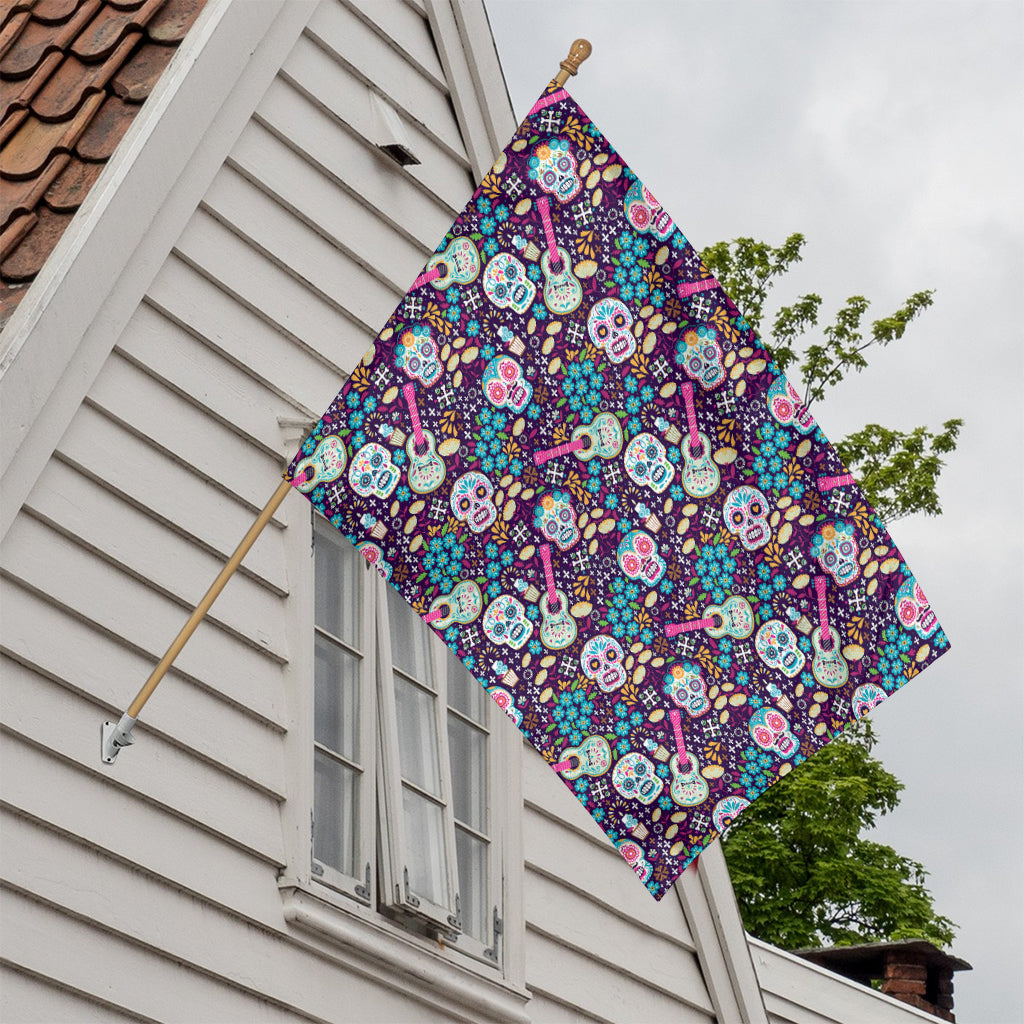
[[28, 999]]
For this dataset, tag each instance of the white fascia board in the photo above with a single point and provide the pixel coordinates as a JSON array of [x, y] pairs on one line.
[[469, 57], [54, 345], [713, 916]]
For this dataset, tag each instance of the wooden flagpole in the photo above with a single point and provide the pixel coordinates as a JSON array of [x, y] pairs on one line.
[[115, 736]]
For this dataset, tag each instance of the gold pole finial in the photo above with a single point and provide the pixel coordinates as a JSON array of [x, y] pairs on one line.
[[578, 53]]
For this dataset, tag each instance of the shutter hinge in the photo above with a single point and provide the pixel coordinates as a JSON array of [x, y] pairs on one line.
[[492, 953]]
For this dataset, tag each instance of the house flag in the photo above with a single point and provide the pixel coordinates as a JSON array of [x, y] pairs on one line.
[[570, 453]]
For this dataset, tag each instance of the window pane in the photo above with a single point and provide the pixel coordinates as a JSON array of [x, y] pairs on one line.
[[335, 813], [409, 637], [424, 839], [338, 585], [337, 699], [415, 710], [472, 856], [467, 748], [464, 692]]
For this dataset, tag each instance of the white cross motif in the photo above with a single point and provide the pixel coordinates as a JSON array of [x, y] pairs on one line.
[[519, 533], [382, 377], [580, 559], [840, 708], [555, 472], [857, 600], [699, 821], [582, 214], [660, 367], [700, 306], [742, 653], [438, 509], [470, 636], [412, 308], [612, 473], [726, 401], [513, 185], [549, 120], [599, 790], [336, 494], [568, 665], [685, 644], [649, 698], [471, 299], [794, 560], [710, 515], [838, 501], [709, 727]]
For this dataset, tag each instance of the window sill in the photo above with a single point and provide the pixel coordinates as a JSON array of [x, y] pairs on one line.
[[400, 962]]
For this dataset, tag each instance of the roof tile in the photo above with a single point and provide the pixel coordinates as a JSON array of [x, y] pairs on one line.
[[20, 94], [70, 83], [174, 20], [11, 124], [109, 27], [22, 196], [53, 11], [72, 186], [15, 232], [39, 39], [28, 258], [11, 30], [28, 150], [135, 81], [106, 129]]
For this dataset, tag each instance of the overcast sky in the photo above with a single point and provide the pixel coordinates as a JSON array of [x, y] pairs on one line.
[[890, 135]]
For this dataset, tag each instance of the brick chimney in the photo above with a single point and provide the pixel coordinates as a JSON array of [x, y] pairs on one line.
[[913, 971]]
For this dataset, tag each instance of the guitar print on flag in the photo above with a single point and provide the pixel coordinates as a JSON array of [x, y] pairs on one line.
[[569, 452]]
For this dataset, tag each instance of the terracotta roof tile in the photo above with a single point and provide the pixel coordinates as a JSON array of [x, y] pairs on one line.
[[22, 196], [109, 27], [106, 129], [19, 94], [15, 232], [11, 30], [72, 186], [72, 76], [135, 81], [173, 20], [70, 83], [28, 258], [28, 150], [54, 11], [38, 39]]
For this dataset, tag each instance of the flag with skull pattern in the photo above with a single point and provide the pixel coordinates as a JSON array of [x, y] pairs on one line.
[[569, 452]]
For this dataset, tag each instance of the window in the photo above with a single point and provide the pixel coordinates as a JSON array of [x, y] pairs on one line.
[[404, 792]]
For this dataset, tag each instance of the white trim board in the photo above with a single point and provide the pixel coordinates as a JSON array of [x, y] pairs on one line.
[[64, 328]]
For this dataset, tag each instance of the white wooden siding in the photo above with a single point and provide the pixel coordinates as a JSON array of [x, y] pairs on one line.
[[149, 891]]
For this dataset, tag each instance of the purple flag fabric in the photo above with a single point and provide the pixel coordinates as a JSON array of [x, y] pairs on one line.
[[570, 453]]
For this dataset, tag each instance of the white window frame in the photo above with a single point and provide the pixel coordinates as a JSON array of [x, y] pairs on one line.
[[347, 928]]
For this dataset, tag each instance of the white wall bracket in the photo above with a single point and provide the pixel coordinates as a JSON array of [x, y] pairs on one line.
[[114, 737]]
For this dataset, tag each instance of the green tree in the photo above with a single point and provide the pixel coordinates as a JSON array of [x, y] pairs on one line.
[[803, 873]]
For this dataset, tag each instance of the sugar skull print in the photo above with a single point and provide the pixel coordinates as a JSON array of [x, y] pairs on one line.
[[745, 512], [471, 501], [507, 285], [836, 551], [786, 405], [601, 662], [685, 686], [505, 386], [770, 730], [633, 853], [610, 325], [776, 646], [373, 554], [634, 777], [866, 697], [647, 463], [505, 622], [914, 611], [645, 213], [639, 559], [553, 168], [700, 355], [372, 472], [416, 355], [506, 702], [554, 517], [726, 810]]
